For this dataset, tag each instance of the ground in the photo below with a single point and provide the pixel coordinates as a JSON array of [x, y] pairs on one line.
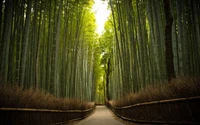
[[101, 116]]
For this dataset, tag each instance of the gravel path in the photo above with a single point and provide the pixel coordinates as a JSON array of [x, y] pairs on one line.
[[101, 116]]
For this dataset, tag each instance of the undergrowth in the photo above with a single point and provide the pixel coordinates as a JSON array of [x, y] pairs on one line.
[[177, 88], [15, 97]]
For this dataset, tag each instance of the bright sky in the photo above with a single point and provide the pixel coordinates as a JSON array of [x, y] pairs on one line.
[[101, 11]]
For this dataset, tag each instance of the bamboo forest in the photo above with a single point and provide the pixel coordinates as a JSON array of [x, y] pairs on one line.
[[148, 50]]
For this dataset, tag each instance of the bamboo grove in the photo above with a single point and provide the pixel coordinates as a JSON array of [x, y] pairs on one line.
[[49, 44], [52, 45], [138, 52]]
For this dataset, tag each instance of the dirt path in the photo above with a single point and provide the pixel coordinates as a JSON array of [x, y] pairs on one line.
[[101, 116]]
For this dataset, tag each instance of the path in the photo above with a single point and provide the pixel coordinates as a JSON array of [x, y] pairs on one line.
[[101, 116]]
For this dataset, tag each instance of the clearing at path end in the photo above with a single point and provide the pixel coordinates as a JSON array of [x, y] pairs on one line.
[[101, 116]]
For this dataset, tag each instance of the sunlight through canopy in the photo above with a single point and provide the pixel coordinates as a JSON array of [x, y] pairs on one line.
[[100, 8]]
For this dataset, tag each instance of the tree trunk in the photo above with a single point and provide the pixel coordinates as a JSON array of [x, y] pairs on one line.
[[108, 71], [25, 42], [168, 40], [4, 53], [1, 8], [57, 41]]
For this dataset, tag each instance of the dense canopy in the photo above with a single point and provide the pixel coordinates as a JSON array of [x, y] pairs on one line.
[[53, 45]]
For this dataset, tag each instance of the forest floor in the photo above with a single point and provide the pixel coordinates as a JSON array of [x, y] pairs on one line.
[[101, 116]]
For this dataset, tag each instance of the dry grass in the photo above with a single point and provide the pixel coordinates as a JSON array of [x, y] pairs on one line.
[[178, 112], [15, 97], [177, 88]]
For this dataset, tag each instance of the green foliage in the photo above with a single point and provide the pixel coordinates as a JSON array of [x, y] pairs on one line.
[[138, 43], [54, 47]]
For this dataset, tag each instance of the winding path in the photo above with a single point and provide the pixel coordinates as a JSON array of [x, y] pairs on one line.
[[101, 116]]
